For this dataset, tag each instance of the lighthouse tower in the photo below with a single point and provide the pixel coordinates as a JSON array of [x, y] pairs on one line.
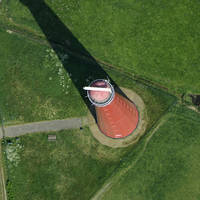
[[117, 117]]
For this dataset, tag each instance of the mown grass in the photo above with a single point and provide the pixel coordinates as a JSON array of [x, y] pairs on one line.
[[169, 167], [76, 165], [72, 167], [39, 88], [34, 84], [155, 39]]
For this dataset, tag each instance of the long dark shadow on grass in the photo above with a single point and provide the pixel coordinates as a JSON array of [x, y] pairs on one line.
[[63, 41]]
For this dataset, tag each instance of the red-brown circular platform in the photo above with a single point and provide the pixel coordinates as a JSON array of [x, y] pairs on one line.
[[117, 117]]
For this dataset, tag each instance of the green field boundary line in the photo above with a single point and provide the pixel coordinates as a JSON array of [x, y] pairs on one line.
[[2, 175], [13, 29], [133, 75], [189, 118]]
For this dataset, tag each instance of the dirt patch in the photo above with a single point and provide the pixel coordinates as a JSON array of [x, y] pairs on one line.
[[193, 108], [132, 138]]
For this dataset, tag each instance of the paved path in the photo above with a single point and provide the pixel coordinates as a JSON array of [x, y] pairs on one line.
[[43, 126]]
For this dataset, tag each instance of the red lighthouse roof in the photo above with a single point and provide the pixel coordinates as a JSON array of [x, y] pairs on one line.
[[117, 117]]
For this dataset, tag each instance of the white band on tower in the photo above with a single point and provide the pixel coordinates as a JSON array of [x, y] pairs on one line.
[[97, 89]]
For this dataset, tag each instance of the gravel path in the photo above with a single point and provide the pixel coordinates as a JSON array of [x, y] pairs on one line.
[[43, 126]]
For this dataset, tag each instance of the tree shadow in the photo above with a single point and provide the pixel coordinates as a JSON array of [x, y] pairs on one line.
[[83, 66]]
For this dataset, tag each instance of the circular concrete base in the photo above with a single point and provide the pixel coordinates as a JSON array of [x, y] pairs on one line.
[[132, 138]]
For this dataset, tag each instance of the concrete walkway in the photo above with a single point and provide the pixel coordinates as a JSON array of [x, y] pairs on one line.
[[43, 126]]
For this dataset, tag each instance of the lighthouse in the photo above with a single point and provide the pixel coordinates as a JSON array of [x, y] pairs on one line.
[[117, 117]]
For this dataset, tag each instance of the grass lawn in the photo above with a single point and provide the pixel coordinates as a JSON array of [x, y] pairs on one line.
[[38, 87], [73, 167], [158, 39], [169, 168], [34, 84]]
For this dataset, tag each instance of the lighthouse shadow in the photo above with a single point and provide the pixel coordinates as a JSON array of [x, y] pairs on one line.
[[93, 112], [81, 66]]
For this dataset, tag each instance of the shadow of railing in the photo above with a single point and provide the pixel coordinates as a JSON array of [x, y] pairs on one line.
[[82, 64]]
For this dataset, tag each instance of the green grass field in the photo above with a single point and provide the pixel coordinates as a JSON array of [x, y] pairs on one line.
[[34, 84], [169, 167], [73, 167], [155, 39], [34, 74], [38, 87], [76, 165]]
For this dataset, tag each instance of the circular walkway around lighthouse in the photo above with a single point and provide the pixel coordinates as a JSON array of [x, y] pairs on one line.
[[133, 137]]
